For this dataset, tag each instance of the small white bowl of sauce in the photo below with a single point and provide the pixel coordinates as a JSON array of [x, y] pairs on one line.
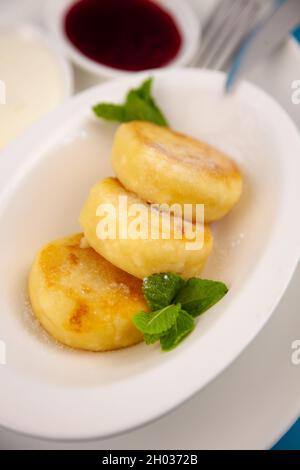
[[112, 37], [34, 78]]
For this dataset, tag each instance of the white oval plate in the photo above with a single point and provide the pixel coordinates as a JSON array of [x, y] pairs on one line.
[[50, 391]]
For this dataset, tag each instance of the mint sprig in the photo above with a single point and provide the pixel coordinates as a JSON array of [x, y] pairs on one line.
[[198, 295], [158, 322], [174, 304], [161, 289], [139, 105], [151, 339], [183, 326]]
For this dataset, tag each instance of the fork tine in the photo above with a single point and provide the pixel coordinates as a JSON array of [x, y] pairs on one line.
[[224, 32], [218, 14], [229, 23], [215, 23], [245, 22]]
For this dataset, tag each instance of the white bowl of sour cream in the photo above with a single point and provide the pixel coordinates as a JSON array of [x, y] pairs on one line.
[[34, 78]]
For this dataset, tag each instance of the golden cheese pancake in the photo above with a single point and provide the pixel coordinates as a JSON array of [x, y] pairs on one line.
[[82, 300], [163, 166], [142, 253]]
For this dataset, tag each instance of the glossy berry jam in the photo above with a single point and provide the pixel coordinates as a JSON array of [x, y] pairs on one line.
[[124, 34]]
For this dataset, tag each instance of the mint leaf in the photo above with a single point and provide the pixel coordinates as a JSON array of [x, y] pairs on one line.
[[198, 295], [160, 289], [151, 339], [110, 112], [157, 322], [138, 106], [137, 109], [183, 326], [144, 92]]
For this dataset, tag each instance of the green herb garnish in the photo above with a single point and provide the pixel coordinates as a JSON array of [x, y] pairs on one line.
[[174, 304], [139, 105], [183, 326], [158, 322], [161, 289], [198, 295]]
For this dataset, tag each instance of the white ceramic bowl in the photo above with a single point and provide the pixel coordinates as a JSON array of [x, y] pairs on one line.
[[183, 13], [30, 95], [66, 69], [51, 391], [33, 32]]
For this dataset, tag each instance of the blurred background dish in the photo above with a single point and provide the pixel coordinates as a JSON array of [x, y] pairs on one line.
[[35, 78], [89, 33]]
